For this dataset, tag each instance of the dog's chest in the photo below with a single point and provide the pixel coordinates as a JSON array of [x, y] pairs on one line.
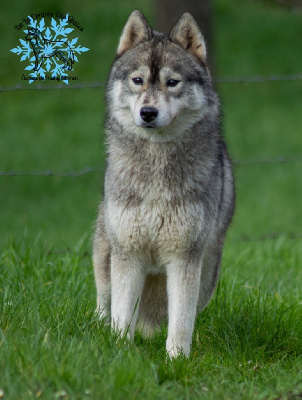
[[154, 199], [161, 226], [162, 220]]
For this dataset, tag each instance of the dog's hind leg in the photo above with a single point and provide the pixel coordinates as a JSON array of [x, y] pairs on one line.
[[61, 56], [68, 61], [101, 263], [209, 274], [153, 308], [37, 66]]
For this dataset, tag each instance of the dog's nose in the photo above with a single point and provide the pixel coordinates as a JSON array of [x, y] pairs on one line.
[[148, 114]]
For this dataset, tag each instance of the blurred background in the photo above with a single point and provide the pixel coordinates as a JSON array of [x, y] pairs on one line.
[[49, 131]]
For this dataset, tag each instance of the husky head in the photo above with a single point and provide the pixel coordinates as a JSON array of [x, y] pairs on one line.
[[160, 86]]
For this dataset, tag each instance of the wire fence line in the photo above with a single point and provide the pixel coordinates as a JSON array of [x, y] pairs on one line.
[[241, 239], [259, 78], [88, 170], [68, 174], [96, 85], [266, 237], [267, 160]]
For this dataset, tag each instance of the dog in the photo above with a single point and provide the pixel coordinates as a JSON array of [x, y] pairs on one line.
[[169, 192], [44, 48]]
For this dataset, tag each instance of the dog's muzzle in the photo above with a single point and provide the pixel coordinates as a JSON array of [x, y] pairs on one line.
[[148, 114]]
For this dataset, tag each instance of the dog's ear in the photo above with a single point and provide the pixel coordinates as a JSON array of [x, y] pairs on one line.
[[187, 34], [135, 31]]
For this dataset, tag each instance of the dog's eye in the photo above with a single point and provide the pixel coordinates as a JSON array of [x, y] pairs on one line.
[[172, 82], [137, 81]]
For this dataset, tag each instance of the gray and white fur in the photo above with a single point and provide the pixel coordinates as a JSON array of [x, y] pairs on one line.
[[169, 194]]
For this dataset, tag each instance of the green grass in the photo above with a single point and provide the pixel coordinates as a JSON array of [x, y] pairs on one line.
[[247, 343]]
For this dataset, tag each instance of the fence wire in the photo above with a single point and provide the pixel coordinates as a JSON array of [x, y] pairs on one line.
[[223, 80], [88, 170], [68, 174], [240, 239], [96, 85]]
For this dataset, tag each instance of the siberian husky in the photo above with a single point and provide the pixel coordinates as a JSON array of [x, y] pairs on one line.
[[169, 193]]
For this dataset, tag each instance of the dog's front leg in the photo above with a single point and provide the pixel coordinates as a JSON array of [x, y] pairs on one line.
[[127, 280], [183, 280]]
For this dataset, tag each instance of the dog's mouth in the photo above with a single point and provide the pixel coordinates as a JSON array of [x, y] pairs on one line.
[[148, 125]]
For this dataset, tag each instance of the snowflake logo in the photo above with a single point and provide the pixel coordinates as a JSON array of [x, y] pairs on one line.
[[48, 50]]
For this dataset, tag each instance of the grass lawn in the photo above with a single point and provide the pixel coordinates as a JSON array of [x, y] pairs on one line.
[[247, 343]]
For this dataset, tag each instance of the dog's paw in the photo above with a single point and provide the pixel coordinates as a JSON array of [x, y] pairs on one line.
[[103, 315], [175, 350]]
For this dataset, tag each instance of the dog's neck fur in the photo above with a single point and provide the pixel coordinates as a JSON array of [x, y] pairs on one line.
[[179, 167]]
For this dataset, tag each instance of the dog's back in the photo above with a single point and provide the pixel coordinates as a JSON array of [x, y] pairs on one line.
[[169, 194]]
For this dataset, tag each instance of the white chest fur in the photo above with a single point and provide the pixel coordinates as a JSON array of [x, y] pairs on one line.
[[155, 226]]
